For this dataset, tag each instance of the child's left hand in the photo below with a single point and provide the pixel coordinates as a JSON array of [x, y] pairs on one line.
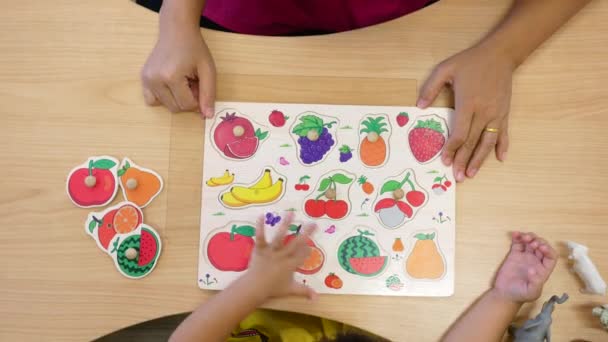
[[526, 268], [273, 264]]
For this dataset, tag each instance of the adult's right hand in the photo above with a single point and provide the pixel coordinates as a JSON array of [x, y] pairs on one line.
[[180, 72]]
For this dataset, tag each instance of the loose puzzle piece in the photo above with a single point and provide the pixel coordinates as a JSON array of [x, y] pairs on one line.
[[119, 231], [139, 185], [122, 218], [235, 136], [315, 137], [93, 183], [400, 198], [136, 254], [359, 254], [374, 148], [267, 189], [335, 188], [425, 261], [229, 248], [428, 137]]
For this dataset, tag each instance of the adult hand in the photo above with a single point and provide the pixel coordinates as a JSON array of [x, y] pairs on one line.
[[273, 264], [526, 268], [180, 72], [481, 79]]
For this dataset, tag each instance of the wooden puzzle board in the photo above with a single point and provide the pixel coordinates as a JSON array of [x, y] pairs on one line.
[[380, 241]]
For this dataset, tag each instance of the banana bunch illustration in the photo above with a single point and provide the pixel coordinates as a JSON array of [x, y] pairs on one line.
[[262, 192], [225, 179]]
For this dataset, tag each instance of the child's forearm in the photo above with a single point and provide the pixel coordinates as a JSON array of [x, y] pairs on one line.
[[528, 24], [216, 318], [486, 320], [184, 14]]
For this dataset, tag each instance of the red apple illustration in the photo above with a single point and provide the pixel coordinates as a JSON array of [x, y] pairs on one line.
[[94, 185], [231, 251], [236, 137]]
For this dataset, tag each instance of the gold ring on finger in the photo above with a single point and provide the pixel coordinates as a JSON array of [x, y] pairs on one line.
[[491, 130]]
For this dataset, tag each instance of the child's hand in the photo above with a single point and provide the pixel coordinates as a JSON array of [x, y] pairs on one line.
[[180, 72], [273, 264], [526, 268], [481, 80]]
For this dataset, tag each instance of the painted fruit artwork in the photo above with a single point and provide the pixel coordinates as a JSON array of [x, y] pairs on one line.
[[373, 149], [334, 188], [236, 138], [139, 185], [124, 219], [425, 261], [147, 248], [263, 191], [399, 200], [94, 184], [231, 251], [427, 138], [333, 281], [314, 138], [277, 118], [316, 258], [360, 255]]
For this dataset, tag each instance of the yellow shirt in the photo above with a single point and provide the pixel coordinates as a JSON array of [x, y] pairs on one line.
[[272, 326]]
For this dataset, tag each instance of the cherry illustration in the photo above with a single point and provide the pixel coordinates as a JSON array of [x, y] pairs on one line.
[[336, 209], [415, 198], [315, 207]]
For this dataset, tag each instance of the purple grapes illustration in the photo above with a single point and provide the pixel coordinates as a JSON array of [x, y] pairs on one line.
[[314, 138]]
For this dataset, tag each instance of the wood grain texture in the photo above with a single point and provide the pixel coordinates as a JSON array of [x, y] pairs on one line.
[[69, 88]]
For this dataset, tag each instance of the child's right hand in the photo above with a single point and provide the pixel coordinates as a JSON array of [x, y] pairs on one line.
[[180, 72], [525, 269], [273, 264]]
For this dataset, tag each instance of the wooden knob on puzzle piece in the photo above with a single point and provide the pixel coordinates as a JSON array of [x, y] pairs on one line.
[[238, 131], [131, 253], [312, 135], [90, 181], [131, 183], [398, 194], [373, 137]]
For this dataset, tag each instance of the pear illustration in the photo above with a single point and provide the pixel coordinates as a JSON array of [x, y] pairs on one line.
[[425, 261]]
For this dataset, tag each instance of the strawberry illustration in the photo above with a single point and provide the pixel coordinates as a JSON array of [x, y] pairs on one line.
[[402, 119], [426, 139]]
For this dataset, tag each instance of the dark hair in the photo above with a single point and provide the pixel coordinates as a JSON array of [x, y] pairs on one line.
[[353, 337]]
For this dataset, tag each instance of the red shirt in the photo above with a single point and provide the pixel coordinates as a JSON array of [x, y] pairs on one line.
[[282, 17]]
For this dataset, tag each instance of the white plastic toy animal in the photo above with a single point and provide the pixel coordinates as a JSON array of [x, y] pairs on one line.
[[586, 270]]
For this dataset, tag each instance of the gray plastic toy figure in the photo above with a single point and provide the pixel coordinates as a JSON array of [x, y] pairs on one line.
[[602, 313], [539, 328]]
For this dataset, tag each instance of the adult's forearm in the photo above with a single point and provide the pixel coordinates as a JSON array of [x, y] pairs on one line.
[[184, 14], [486, 320], [528, 24]]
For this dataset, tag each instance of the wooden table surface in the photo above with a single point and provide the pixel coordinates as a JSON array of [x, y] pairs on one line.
[[69, 88]]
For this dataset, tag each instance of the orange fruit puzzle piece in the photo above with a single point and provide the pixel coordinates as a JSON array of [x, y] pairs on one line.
[[139, 185]]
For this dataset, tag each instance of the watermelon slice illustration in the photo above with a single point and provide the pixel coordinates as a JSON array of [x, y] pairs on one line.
[[369, 266], [360, 255], [146, 244]]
